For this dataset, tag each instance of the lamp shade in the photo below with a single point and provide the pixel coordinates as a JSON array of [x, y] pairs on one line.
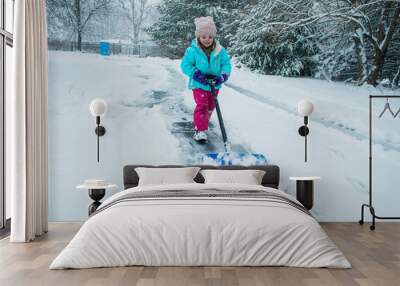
[[98, 107], [305, 107]]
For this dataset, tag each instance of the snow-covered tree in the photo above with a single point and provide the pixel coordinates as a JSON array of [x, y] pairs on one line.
[[369, 29], [376, 24], [135, 13], [229, 16], [172, 30], [76, 15], [175, 28], [263, 44]]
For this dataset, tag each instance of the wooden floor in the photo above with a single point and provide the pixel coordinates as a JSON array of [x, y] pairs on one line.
[[375, 257]]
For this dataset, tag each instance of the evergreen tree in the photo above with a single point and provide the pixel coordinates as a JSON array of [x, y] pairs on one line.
[[175, 28], [263, 44]]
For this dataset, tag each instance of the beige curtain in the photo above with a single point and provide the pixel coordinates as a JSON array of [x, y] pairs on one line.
[[27, 122]]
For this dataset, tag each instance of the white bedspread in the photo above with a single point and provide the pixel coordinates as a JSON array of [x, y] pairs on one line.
[[200, 231]]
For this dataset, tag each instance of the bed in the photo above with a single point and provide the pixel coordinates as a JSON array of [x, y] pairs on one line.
[[198, 224]]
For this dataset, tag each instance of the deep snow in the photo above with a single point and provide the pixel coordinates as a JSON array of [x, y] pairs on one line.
[[149, 122]]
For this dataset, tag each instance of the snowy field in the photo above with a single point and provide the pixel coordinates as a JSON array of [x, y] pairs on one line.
[[149, 122]]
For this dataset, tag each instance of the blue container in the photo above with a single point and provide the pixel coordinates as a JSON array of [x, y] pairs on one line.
[[105, 48]]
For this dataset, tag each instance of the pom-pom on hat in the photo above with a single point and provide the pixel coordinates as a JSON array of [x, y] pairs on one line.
[[205, 27]]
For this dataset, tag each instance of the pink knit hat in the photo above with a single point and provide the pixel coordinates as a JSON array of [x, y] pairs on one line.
[[205, 27]]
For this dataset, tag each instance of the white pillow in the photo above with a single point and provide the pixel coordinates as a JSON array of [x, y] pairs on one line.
[[248, 177], [163, 176]]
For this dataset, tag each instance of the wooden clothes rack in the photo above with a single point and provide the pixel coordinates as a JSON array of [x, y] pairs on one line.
[[369, 205]]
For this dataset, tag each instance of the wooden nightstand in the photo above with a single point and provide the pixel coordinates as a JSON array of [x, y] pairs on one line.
[[97, 190], [305, 190]]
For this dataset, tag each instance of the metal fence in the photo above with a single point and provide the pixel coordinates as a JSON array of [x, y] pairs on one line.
[[143, 49]]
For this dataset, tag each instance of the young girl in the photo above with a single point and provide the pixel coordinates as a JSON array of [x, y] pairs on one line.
[[204, 59]]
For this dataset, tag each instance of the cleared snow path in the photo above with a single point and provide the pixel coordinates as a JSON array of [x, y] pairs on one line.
[[179, 120]]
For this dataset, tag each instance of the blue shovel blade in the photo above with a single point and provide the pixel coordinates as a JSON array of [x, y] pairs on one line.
[[231, 158]]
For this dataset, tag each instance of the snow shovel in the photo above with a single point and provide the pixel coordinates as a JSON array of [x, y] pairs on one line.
[[228, 157]]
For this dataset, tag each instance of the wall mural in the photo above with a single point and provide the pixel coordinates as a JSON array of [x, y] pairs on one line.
[[264, 57]]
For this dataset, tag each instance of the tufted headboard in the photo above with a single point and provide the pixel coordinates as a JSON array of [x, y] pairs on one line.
[[271, 177]]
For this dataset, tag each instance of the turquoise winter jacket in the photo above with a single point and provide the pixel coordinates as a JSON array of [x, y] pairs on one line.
[[196, 58]]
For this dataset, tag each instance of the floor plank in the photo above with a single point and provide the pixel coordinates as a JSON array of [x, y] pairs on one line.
[[374, 255]]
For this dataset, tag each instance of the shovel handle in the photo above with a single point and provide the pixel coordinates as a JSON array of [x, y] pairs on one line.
[[219, 114]]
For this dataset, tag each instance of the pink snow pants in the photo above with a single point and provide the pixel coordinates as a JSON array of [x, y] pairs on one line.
[[204, 108]]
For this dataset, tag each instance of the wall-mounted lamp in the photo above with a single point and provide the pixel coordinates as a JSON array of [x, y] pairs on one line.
[[305, 108], [98, 107]]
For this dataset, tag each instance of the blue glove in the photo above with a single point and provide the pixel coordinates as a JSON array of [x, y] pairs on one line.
[[200, 77], [221, 79]]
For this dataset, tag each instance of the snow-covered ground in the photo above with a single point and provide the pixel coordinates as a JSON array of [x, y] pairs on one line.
[[149, 122]]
